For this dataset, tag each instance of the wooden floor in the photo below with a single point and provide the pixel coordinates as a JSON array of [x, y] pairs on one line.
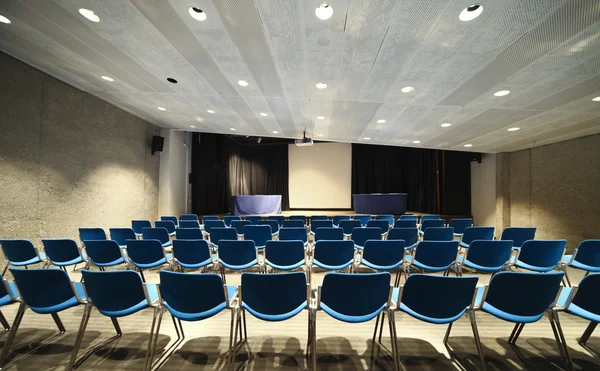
[[282, 346]]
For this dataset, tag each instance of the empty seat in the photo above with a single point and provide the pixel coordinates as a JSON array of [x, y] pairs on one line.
[[586, 257], [333, 255], [384, 255], [160, 234], [410, 236], [362, 235], [405, 223], [191, 254], [329, 233], [189, 234], [434, 256], [63, 252], [429, 217], [296, 233], [409, 217], [170, 218], [431, 223], [167, 224], [106, 253], [476, 233], [188, 217], [210, 224], [338, 218], [189, 224], [21, 253], [147, 254], [274, 224], [349, 225], [540, 255], [438, 234], [92, 234], [518, 235], [298, 217], [320, 223], [279, 218], [222, 233], [260, 234], [237, 255], [382, 224], [486, 256], [460, 225], [254, 219], [228, 219], [293, 223], [138, 225], [121, 235], [364, 219], [389, 218], [239, 225], [284, 255]]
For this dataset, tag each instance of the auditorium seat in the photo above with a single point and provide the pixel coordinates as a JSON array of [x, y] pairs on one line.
[[279, 218], [405, 223], [260, 234], [294, 224], [460, 225], [298, 217], [239, 225], [486, 256], [63, 252], [206, 218], [438, 234], [338, 218], [361, 235], [237, 255], [21, 253], [221, 233], [167, 224], [409, 235], [364, 219], [147, 254], [171, 218], [539, 255], [434, 256], [210, 224], [189, 234], [293, 233], [329, 233], [8, 295], [435, 223], [138, 225], [518, 235], [189, 224], [429, 217], [274, 224], [254, 219], [586, 257], [409, 217], [121, 235], [322, 223], [349, 225], [389, 218], [106, 253], [381, 224], [192, 254], [476, 233], [285, 255], [229, 218], [92, 234], [160, 234], [189, 217], [384, 255], [333, 255]]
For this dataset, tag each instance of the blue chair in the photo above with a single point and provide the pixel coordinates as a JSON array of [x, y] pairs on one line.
[[254, 219], [384, 255], [279, 218], [229, 218], [438, 234], [21, 253], [329, 233], [317, 217], [333, 255], [429, 217], [540, 255], [405, 224], [460, 225], [138, 225], [189, 234], [409, 217], [586, 257], [147, 254], [105, 253], [167, 224], [8, 295], [92, 234], [222, 233], [295, 233], [118, 294], [293, 224], [210, 224], [192, 217], [63, 252], [381, 224], [206, 218], [432, 223], [189, 224], [178, 295], [440, 301], [121, 235], [320, 223], [237, 255], [486, 256], [361, 235], [349, 225], [239, 225], [260, 234], [191, 254], [274, 224], [518, 235], [45, 291], [284, 255], [364, 219], [409, 235], [171, 218], [390, 219], [476, 233], [298, 217], [434, 256], [355, 298], [522, 298], [160, 234], [338, 218]]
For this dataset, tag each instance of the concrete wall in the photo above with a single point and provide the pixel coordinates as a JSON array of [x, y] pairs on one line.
[[173, 184], [69, 159], [483, 190]]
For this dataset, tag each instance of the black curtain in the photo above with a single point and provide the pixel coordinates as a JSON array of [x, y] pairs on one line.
[[223, 167]]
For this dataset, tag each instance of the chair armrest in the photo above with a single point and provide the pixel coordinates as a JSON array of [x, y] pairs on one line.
[[158, 301]]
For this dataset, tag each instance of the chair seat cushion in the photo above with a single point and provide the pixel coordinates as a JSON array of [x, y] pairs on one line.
[[195, 265], [77, 260], [276, 317], [156, 263], [34, 260], [285, 267], [152, 295], [332, 267], [568, 259], [486, 307], [351, 319], [191, 317], [381, 267], [73, 301], [239, 267], [438, 321], [482, 268]]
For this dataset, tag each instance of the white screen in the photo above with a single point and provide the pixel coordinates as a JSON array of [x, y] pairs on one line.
[[320, 176]]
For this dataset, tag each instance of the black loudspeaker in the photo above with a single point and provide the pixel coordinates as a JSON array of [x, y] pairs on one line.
[[157, 144], [476, 157]]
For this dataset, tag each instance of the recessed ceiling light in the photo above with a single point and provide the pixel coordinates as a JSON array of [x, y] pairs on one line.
[[514, 129], [171, 80], [321, 85], [381, 121], [408, 89], [199, 119], [468, 145], [161, 109], [416, 141], [89, 15], [108, 78], [192, 126], [263, 114], [319, 135], [210, 111], [320, 117], [597, 99], [324, 11], [446, 125], [471, 12], [3, 19], [197, 14], [233, 129], [502, 93], [367, 138], [243, 83], [275, 132]]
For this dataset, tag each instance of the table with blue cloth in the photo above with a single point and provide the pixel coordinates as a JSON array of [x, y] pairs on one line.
[[256, 205], [380, 203]]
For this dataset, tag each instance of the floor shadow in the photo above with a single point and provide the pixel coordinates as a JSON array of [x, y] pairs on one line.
[[264, 354], [337, 353], [418, 354], [203, 353]]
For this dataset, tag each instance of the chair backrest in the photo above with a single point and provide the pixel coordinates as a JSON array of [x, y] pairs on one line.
[[542, 255], [587, 295], [429, 217], [349, 225], [389, 218], [191, 251], [382, 224], [334, 255], [229, 218], [409, 235], [138, 225], [103, 252], [206, 218], [320, 223], [298, 217], [293, 233], [89, 234], [409, 217], [284, 253], [171, 218], [477, 233], [114, 291], [437, 255], [274, 297], [121, 235], [145, 251], [167, 224], [188, 234], [588, 253], [361, 235], [254, 219], [355, 297], [178, 292], [260, 234], [438, 234], [210, 224], [518, 235], [18, 250], [237, 252], [489, 254], [189, 217], [405, 223], [239, 225], [432, 223], [222, 233], [279, 218], [364, 219], [274, 224], [460, 225], [189, 224], [44, 289], [329, 233], [61, 250], [160, 234], [338, 218], [384, 253], [439, 299], [523, 293], [318, 217], [293, 224]]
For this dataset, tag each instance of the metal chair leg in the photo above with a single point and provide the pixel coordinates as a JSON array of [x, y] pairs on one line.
[[5, 269], [181, 328], [160, 315], [244, 321], [562, 341], [471, 315], [376, 325], [314, 341], [566, 276], [87, 311], [235, 332], [12, 333], [230, 354], [391, 325], [516, 332], [142, 274], [448, 333], [116, 326], [4, 322], [58, 322], [381, 325], [587, 333], [149, 350]]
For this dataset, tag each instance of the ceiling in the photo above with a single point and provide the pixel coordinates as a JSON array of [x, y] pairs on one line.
[[546, 52]]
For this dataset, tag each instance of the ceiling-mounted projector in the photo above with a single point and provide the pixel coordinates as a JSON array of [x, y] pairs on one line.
[[304, 142]]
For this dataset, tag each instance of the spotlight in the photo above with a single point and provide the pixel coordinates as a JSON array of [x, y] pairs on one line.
[[259, 140]]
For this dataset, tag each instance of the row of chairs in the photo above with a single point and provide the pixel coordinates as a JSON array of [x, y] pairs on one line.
[[515, 297]]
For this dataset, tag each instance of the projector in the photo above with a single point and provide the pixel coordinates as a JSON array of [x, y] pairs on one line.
[[304, 142]]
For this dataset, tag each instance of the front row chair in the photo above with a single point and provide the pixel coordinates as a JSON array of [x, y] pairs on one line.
[[21, 253], [586, 257], [485, 256], [147, 254], [63, 252], [192, 254]]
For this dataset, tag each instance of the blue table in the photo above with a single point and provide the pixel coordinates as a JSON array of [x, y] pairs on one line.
[[256, 205], [380, 203]]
